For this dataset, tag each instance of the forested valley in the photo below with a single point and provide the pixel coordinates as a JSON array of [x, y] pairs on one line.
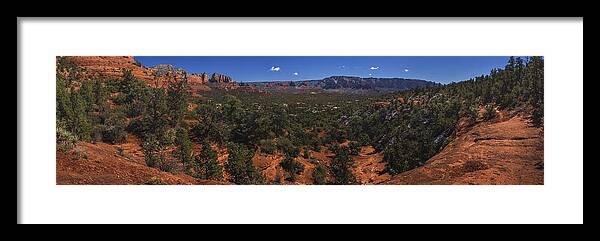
[[216, 133]]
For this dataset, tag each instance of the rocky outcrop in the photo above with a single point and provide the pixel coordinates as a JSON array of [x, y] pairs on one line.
[[194, 79], [204, 77], [163, 69], [220, 78], [165, 73]]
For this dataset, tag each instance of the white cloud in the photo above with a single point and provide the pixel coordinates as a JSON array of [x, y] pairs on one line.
[[405, 69], [370, 74], [275, 68], [295, 73], [374, 68]]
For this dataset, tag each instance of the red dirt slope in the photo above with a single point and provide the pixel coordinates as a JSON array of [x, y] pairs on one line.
[[369, 166], [509, 151], [102, 163]]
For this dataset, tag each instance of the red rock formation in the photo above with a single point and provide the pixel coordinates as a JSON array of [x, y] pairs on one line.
[[219, 78], [166, 73], [204, 77], [110, 67], [197, 79]]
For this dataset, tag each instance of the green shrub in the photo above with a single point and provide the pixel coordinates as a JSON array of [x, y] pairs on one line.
[[152, 152], [155, 181], [120, 99], [317, 148], [152, 160], [292, 167], [76, 155], [206, 165], [306, 153], [537, 115], [114, 134], [267, 146], [319, 174], [166, 166], [136, 126], [341, 166], [490, 112], [97, 133], [239, 165], [287, 147], [134, 109], [364, 139], [354, 148], [293, 152], [114, 129], [65, 140], [168, 137], [120, 151], [80, 123], [184, 146], [470, 113], [472, 166]]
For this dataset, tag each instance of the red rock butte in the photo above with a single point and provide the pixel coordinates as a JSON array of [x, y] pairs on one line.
[[111, 67]]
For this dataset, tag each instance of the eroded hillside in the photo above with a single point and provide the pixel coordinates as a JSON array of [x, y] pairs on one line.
[[105, 164], [508, 150]]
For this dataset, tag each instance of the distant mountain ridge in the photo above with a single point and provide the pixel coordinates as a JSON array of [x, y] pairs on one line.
[[351, 82]]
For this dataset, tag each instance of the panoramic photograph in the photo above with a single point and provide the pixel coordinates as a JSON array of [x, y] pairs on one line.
[[300, 120]]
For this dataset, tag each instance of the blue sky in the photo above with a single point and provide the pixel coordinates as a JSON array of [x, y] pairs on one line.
[[442, 69]]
